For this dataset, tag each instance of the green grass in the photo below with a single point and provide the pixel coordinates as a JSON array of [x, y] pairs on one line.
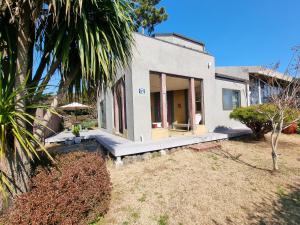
[[143, 198], [281, 190], [163, 220], [98, 221], [135, 216], [155, 154], [212, 156]]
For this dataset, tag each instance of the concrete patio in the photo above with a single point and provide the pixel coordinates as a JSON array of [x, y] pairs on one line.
[[120, 147]]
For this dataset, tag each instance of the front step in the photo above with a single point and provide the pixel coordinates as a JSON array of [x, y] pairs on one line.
[[203, 147]]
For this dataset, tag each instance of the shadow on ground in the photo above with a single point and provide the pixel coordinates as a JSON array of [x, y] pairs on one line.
[[249, 138], [265, 142], [236, 158], [286, 210]]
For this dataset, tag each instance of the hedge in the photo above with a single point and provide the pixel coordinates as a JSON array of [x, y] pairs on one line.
[[74, 191]]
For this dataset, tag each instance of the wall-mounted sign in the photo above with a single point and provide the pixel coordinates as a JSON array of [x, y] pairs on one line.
[[142, 91]]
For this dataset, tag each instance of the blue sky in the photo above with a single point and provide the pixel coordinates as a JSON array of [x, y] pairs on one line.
[[238, 32]]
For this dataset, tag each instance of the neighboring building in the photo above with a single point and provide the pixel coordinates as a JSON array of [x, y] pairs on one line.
[[258, 81], [173, 88]]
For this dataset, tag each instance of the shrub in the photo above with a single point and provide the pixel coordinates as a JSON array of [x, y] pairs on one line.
[[292, 129], [298, 128], [87, 124], [257, 122], [76, 192], [255, 117], [76, 130]]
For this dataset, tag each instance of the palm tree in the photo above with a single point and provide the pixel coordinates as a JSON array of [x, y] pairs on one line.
[[81, 42], [10, 113]]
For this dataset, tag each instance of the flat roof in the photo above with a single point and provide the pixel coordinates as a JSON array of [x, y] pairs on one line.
[[259, 70], [230, 78], [179, 36], [269, 73], [171, 43]]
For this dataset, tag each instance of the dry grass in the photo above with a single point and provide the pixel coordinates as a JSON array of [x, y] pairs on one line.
[[229, 186]]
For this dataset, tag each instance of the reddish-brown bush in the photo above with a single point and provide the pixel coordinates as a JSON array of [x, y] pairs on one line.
[[75, 192], [292, 129]]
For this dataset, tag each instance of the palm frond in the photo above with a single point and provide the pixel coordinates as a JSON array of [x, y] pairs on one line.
[[10, 129], [98, 34]]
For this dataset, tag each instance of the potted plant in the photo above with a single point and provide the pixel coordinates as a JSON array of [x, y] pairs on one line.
[[76, 132]]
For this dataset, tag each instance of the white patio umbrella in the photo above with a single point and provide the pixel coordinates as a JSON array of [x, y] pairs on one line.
[[74, 106]]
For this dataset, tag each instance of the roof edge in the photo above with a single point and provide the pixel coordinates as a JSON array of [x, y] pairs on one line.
[[170, 43], [179, 36], [260, 70]]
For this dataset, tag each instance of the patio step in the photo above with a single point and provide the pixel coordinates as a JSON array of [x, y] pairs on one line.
[[203, 147]]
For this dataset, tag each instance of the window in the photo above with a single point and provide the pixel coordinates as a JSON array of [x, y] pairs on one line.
[[198, 99], [231, 99]]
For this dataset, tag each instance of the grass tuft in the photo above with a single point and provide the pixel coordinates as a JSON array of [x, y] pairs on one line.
[[143, 198], [163, 220]]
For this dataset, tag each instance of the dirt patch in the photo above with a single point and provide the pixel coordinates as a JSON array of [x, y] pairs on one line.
[[234, 185]]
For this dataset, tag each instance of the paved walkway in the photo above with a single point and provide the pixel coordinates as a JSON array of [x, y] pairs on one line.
[[119, 146]]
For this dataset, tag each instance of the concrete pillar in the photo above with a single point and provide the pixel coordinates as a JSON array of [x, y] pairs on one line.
[[99, 111], [259, 92], [163, 100], [248, 94], [116, 110], [123, 105], [100, 94], [119, 162], [192, 102], [163, 152]]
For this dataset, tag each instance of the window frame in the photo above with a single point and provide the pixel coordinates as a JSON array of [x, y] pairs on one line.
[[232, 90]]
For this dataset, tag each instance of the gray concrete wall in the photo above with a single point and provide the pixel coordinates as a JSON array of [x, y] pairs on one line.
[[107, 96], [154, 55], [221, 116], [54, 125], [109, 110], [129, 103]]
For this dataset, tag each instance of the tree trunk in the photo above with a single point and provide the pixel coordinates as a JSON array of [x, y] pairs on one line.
[[275, 140], [275, 160], [17, 165], [274, 149], [22, 164], [16, 168]]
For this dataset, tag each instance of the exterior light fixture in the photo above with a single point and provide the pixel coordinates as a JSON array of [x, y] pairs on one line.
[[209, 65]]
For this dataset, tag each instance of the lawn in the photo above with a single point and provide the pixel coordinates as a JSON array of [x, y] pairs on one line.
[[233, 185]]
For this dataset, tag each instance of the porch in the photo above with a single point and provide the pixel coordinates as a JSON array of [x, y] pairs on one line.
[[176, 106], [161, 133], [120, 147]]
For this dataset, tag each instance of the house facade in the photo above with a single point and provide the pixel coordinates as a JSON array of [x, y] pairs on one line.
[[172, 87]]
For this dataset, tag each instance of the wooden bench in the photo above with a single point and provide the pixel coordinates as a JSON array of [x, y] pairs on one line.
[[175, 126]]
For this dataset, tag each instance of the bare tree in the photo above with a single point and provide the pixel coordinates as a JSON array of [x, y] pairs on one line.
[[283, 97]]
